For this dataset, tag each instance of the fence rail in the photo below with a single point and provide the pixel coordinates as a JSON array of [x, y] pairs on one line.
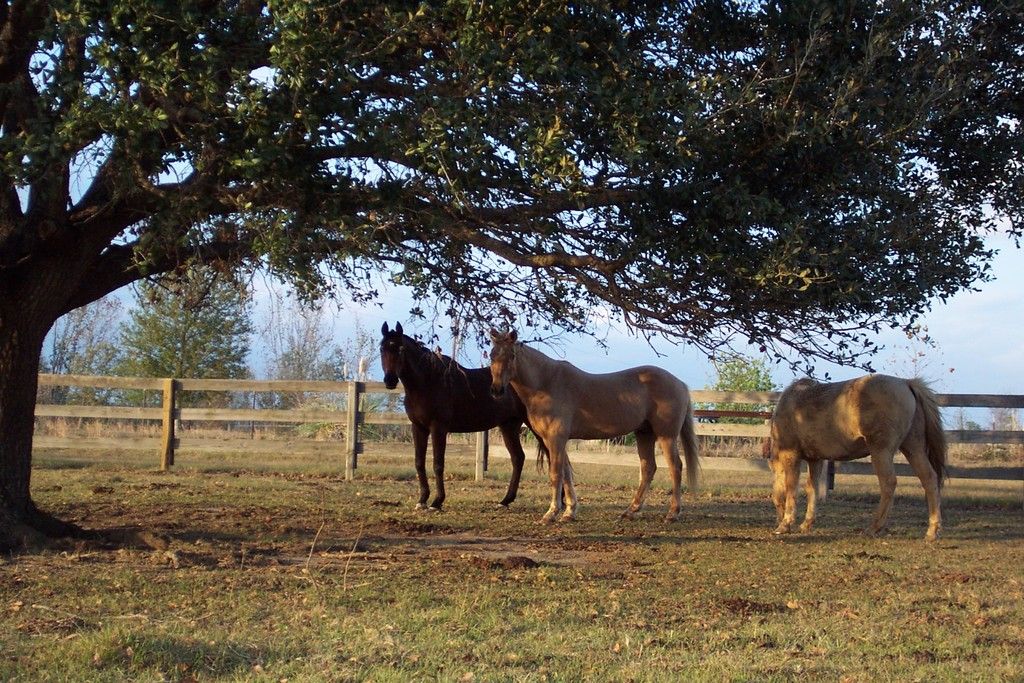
[[355, 415]]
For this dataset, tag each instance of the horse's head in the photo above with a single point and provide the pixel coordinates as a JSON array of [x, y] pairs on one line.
[[503, 360], [392, 354]]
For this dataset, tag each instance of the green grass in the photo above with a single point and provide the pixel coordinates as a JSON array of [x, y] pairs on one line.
[[282, 570]]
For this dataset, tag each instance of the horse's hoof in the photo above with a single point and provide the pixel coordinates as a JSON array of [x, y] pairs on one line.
[[781, 529], [931, 536], [421, 506], [872, 532], [433, 508], [628, 514], [804, 528], [669, 518], [567, 517], [548, 518]]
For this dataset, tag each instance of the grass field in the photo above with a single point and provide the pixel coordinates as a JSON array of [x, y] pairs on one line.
[[284, 571]]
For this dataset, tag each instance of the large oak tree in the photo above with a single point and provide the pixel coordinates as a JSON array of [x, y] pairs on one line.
[[792, 173]]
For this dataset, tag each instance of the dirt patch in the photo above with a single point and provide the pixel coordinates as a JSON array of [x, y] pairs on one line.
[[507, 562]]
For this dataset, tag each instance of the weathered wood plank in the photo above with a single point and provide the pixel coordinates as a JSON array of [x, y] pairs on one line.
[[984, 436], [706, 396], [205, 445], [104, 412], [101, 382], [981, 400], [119, 443], [725, 429], [264, 415]]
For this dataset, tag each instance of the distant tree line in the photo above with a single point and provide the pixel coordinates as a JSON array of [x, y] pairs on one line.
[[198, 324]]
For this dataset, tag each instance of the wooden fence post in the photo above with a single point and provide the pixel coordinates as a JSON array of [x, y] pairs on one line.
[[170, 391], [481, 454], [352, 444]]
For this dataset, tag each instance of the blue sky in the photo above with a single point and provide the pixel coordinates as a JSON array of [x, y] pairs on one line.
[[979, 347]]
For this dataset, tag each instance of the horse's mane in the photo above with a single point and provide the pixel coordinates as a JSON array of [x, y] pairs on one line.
[[438, 362]]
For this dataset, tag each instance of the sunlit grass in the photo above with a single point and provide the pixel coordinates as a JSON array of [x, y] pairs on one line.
[[277, 568]]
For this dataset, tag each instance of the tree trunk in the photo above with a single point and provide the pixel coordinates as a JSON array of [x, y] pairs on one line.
[[22, 331]]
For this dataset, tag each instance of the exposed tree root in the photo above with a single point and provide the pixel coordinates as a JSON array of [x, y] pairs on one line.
[[38, 530]]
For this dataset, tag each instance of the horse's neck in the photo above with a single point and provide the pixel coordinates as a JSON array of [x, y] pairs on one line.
[[535, 374], [415, 375], [427, 370]]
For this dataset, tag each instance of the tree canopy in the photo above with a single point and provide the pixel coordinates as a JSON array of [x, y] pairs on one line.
[[794, 173]]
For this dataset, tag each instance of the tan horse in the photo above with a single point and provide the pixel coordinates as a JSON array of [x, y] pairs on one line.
[[874, 415], [563, 402]]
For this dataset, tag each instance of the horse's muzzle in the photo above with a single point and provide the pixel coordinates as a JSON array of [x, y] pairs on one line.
[[497, 391], [391, 381]]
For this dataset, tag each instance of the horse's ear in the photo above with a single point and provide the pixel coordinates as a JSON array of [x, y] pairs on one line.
[[384, 328], [513, 336], [398, 328], [495, 335]]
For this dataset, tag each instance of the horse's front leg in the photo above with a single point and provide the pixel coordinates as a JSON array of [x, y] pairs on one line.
[[419, 440], [439, 440], [514, 445], [556, 475], [811, 487], [787, 477]]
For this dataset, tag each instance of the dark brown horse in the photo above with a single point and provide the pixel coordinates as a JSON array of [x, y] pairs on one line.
[[442, 397]]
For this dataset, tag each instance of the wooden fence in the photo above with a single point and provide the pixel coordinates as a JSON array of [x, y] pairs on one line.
[[354, 415]]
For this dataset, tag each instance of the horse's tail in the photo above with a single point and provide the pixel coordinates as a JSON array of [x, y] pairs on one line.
[[688, 434], [543, 455], [934, 436]]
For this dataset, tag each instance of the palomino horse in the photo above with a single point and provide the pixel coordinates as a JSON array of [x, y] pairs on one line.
[[873, 415], [563, 402], [442, 397]]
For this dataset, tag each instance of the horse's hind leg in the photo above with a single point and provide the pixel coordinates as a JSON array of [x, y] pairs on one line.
[[439, 437], [887, 482], [420, 436], [811, 488], [510, 435], [569, 492], [670, 447], [648, 466], [918, 459]]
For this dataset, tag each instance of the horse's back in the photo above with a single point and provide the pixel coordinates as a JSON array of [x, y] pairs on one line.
[[461, 401], [844, 420], [614, 403]]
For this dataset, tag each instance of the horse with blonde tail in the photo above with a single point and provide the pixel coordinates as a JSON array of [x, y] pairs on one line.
[[563, 402], [874, 415]]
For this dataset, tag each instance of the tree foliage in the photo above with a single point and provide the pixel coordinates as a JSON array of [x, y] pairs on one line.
[[83, 342], [300, 346], [793, 173], [739, 373], [195, 326]]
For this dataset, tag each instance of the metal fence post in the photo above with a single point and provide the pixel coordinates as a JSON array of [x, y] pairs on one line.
[[481, 454], [170, 390], [353, 446]]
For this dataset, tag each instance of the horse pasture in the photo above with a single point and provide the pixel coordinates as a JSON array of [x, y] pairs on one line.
[[286, 572]]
